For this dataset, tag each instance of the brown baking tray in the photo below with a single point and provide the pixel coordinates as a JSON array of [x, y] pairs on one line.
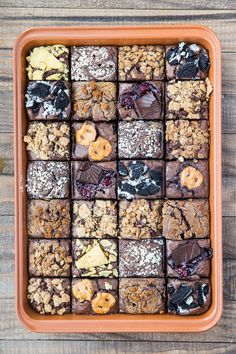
[[117, 36]]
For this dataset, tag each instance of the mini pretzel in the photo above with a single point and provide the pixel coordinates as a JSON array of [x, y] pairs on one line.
[[191, 178], [86, 134], [83, 290], [102, 303], [100, 149]]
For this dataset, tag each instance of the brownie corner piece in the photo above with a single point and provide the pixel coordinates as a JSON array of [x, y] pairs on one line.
[[141, 62], [48, 63], [141, 100], [49, 296], [187, 179], [97, 63], [141, 258], [142, 295], [188, 297], [94, 296], [187, 61]]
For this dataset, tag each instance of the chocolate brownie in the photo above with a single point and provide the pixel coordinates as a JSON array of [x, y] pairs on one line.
[[186, 180], [188, 99], [140, 179], [188, 259], [48, 179], [93, 180], [94, 141], [141, 62], [48, 219], [141, 100], [187, 139], [140, 219], [142, 295], [94, 100], [140, 139], [94, 258], [49, 258], [48, 100], [94, 219], [141, 258], [94, 297], [184, 219], [93, 63], [49, 296], [188, 297], [187, 61], [48, 63], [48, 141]]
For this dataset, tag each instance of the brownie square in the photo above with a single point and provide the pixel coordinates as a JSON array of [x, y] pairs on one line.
[[48, 179], [187, 139], [139, 219], [49, 296], [48, 219], [184, 219], [186, 180], [48, 63], [186, 61], [188, 99], [93, 180], [93, 141], [48, 100], [49, 258], [141, 62], [188, 297], [141, 258], [94, 100], [141, 100], [48, 141], [93, 63], [94, 258], [94, 219], [140, 179], [142, 295], [94, 296], [188, 259], [140, 139]]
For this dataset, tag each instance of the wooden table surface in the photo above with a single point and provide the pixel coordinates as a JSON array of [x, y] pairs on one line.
[[16, 16]]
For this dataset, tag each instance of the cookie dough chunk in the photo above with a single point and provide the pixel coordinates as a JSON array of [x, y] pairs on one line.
[[188, 297], [140, 139], [188, 259], [49, 258], [144, 62], [48, 63], [94, 297], [94, 100], [141, 100], [94, 258], [187, 139], [48, 141], [137, 296], [94, 219], [94, 141], [48, 219], [187, 61], [140, 179], [188, 99], [48, 179], [184, 219], [49, 296], [141, 258], [186, 180], [93, 63], [92, 180], [140, 219], [48, 100]]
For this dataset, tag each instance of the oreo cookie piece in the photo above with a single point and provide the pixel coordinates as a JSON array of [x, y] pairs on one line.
[[41, 89], [123, 171], [204, 63], [188, 70], [137, 168]]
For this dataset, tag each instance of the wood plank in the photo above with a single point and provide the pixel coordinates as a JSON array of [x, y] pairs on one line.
[[15, 20], [127, 4]]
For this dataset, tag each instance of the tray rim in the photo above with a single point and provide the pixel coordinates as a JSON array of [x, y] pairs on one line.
[[119, 323]]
